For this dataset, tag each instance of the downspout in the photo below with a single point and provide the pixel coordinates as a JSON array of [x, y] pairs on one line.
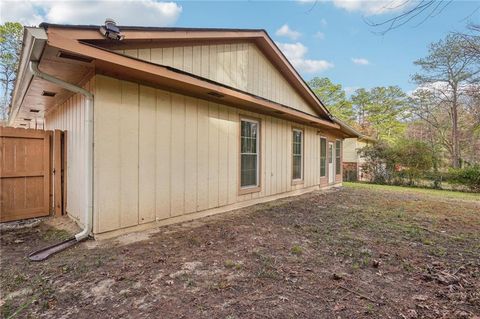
[[88, 214]]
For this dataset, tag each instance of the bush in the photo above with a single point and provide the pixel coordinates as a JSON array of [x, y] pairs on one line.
[[378, 165], [468, 176], [411, 163], [437, 178], [401, 164]]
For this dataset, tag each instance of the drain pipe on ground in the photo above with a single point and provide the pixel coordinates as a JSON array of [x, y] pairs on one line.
[[46, 252]]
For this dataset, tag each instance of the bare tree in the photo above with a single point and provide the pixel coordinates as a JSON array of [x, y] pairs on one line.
[[449, 71], [413, 11], [471, 40], [434, 123], [10, 46]]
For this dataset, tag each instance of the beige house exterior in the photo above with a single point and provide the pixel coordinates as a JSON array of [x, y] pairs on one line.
[[186, 122]]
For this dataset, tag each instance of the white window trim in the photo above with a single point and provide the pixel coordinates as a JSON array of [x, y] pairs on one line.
[[302, 155], [242, 119]]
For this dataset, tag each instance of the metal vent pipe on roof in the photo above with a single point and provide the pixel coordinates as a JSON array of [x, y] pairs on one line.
[[110, 30]]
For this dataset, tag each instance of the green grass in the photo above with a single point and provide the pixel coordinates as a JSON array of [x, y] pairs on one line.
[[52, 234], [416, 190], [296, 250]]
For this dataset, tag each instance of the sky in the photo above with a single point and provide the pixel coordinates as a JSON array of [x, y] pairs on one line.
[[321, 38]]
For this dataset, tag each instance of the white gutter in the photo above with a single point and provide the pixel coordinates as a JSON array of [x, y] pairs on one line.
[[33, 66]]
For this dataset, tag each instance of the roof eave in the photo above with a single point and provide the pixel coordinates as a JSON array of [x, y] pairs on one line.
[[34, 41], [127, 68], [90, 33], [46, 25], [347, 129]]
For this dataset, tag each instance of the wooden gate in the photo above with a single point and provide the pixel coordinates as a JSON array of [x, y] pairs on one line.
[[25, 173]]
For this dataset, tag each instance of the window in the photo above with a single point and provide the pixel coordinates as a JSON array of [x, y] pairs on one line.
[[249, 137], [297, 153], [323, 157], [338, 163]]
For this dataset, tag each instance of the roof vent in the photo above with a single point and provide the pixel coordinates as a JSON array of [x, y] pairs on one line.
[[70, 56], [215, 94], [48, 93], [34, 111], [27, 119], [111, 31]]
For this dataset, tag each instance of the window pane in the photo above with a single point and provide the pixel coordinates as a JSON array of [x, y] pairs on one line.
[[297, 167], [297, 149], [248, 170], [330, 153], [248, 153], [337, 157], [323, 157]]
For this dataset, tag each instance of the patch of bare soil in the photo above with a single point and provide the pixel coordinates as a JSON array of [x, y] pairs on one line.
[[353, 253]]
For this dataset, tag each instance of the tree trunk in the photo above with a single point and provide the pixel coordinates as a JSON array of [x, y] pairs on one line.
[[455, 143], [4, 104]]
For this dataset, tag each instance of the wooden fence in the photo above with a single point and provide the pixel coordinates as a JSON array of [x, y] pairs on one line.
[[25, 173]]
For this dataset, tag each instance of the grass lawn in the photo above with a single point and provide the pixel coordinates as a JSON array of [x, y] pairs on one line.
[[416, 190], [363, 251]]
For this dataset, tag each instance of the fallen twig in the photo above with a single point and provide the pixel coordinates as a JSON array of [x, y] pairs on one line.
[[357, 293], [346, 295], [461, 268]]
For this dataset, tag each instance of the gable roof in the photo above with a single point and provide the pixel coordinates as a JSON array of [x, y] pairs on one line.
[[148, 36], [88, 42]]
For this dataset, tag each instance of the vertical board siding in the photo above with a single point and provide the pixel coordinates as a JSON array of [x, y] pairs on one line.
[[128, 155], [191, 144], [213, 155], [147, 152], [107, 179], [203, 155], [160, 155], [239, 65], [69, 116], [177, 155]]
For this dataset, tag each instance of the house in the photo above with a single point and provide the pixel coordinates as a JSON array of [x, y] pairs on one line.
[[352, 161], [170, 124]]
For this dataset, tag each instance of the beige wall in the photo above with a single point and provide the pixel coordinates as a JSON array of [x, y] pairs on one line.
[[159, 155], [69, 117], [350, 150], [239, 65]]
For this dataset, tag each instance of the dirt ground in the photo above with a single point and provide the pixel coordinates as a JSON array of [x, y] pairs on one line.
[[358, 252]]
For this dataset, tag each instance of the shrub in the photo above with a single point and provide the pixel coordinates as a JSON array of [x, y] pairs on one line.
[[414, 158], [378, 165], [437, 178], [468, 176], [403, 163], [412, 163]]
